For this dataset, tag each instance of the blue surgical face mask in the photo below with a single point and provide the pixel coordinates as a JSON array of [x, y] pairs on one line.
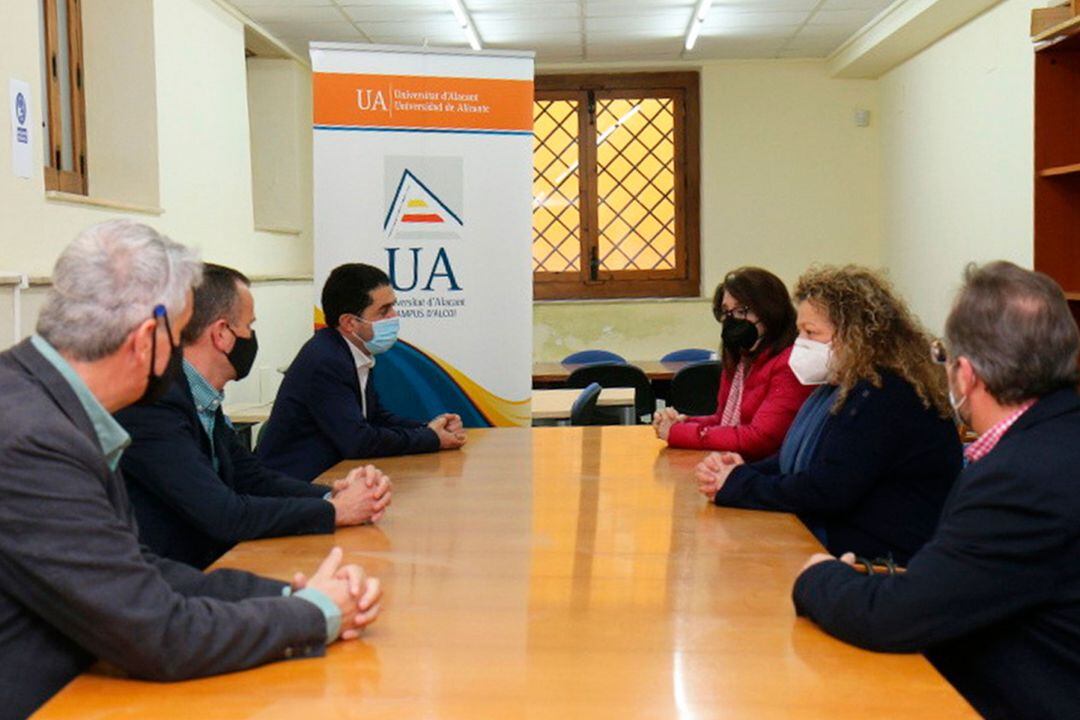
[[386, 332]]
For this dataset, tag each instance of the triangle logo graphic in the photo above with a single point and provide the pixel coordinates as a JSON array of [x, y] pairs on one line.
[[417, 213]]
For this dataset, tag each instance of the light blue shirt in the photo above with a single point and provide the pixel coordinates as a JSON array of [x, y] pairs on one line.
[[207, 401], [207, 397], [111, 435], [322, 601]]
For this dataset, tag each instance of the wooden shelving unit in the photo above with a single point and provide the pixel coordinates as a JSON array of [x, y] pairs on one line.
[[1060, 170], [1059, 31], [1057, 156]]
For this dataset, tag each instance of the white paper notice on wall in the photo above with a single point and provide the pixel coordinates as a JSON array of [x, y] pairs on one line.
[[21, 163]]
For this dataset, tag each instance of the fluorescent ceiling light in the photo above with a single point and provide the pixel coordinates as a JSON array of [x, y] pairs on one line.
[[464, 21], [692, 32]]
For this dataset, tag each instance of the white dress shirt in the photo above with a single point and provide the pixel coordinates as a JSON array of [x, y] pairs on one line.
[[364, 363]]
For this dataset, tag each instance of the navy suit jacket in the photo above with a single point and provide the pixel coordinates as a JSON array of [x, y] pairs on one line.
[[318, 419], [994, 598], [876, 481], [189, 512]]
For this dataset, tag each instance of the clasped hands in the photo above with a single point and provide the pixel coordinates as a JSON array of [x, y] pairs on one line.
[[663, 420], [712, 472], [348, 586], [363, 496], [450, 429]]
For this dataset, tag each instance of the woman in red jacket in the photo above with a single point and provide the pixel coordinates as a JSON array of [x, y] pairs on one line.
[[759, 395]]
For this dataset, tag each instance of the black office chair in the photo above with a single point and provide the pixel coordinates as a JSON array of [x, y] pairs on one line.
[[583, 411], [614, 375], [694, 388]]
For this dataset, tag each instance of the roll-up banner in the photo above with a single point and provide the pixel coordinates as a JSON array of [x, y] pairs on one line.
[[423, 167]]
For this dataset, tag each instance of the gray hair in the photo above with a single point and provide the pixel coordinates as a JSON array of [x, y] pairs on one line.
[[108, 281], [1015, 328]]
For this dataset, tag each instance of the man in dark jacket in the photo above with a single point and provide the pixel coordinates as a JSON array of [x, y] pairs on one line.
[[327, 409], [76, 584], [994, 598], [196, 489]]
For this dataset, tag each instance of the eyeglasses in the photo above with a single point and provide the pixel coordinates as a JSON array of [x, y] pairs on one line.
[[938, 353], [739, 313]]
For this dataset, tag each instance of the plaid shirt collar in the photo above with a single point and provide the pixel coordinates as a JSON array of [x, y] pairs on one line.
[[207, 398], [989, 439]]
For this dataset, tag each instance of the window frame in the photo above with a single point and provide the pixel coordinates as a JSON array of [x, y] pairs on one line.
[[589, 282], [56, 178]]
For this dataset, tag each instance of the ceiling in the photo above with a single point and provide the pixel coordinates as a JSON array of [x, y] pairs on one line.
[[576, 30]]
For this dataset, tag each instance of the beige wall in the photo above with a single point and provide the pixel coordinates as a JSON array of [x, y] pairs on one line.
[[205, 185], [279, 112], [283, 323], [121, 117], [787, 180], [956, 137], [204, 167], [942, 175]]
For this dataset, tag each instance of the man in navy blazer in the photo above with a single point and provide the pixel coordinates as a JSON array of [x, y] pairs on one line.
[[994, 598], [327, 409], [196, 489]]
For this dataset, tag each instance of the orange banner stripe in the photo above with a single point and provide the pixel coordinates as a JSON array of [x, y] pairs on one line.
[[407, 101]]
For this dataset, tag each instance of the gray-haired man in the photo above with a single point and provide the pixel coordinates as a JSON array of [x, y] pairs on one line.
[[994, 598], [76, 584]]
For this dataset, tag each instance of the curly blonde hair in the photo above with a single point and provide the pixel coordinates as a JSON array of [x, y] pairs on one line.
[[874, 331]]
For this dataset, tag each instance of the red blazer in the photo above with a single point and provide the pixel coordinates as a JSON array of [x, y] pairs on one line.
[[771, 397]]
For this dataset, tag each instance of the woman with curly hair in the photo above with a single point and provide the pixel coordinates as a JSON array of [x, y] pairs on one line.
[[759, 394], [873, 452]]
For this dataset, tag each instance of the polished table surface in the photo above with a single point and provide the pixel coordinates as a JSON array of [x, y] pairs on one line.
[[557, 404], [248, 413], [546, 404], [553, 372], [555, 573]]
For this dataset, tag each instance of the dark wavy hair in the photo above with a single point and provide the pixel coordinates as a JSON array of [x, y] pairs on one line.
[[768, 298]]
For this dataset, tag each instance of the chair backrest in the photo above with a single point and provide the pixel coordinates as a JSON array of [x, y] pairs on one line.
[[583, 410], [694, 388], [618, 375], [688, 355], [584, 357]]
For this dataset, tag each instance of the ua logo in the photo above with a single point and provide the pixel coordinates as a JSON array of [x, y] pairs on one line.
[[367, 99]]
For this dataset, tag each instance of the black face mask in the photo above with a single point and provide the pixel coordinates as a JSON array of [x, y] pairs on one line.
[[242, 355], [739, 335], [156, 385]]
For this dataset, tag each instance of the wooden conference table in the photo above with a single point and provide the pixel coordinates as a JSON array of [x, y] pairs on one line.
[[549, 405], [546, 405], [554, 374], [554, 573]]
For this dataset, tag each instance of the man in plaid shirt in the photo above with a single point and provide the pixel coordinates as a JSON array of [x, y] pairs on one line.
[[993, 599]]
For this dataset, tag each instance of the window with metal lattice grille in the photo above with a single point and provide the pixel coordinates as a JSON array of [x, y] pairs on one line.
[[615, 186]]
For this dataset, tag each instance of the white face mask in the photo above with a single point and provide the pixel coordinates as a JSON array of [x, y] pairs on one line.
[[957, 403], [810, 361]]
